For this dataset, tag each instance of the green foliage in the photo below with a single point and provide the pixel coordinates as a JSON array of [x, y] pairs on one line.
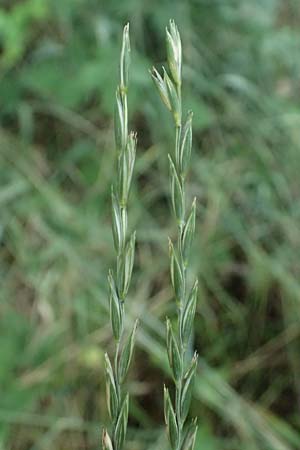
[[58, 72]]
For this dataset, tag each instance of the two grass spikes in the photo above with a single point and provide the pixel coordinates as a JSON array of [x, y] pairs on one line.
[[119, 279], [181, 435]]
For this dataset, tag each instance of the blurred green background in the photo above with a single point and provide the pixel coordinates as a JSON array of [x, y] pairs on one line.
[[58, 73]]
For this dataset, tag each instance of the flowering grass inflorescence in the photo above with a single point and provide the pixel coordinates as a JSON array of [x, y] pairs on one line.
[[181, 435], [119, 279]]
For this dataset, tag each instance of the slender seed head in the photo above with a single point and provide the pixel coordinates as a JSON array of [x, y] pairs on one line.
[[181, 437], [119, 279]]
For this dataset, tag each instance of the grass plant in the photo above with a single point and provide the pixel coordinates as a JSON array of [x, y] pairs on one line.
[[57, 82]]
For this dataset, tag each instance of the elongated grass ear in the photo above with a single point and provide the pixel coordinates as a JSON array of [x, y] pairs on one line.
[[181, 435], [119, 278]]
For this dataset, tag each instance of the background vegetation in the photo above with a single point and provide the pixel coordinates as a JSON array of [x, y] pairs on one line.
[[58, 72]]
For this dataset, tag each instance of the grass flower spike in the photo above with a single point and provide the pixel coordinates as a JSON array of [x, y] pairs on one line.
[[119, 279], [181, 435]]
